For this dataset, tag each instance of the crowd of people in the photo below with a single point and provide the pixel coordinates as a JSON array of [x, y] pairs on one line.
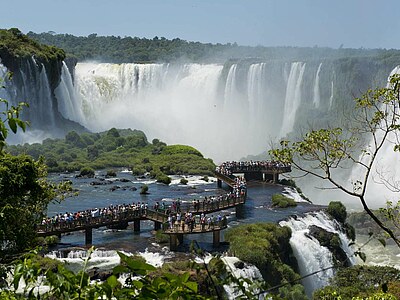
[[189, 221], [80, 218], [228, 168]]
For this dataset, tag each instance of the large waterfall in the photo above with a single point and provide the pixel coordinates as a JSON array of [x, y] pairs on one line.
[[310, 255], [226, 111]]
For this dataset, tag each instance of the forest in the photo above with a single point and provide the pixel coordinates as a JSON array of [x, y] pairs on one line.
[[116, 49]]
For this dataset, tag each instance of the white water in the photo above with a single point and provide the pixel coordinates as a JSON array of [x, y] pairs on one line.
[[293, 97], [69, 105], [250, 272], [317, 96], [107, 259], [224, 116], [384, 169], [310, 255]]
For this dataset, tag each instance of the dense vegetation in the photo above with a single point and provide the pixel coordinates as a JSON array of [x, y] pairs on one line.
[[117, 148], [15, 44], [281, 201], [361, 282], [266, 246], [134, 49]]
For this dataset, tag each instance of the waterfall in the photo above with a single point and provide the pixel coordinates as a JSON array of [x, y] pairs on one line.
[[383, 169], [227, 111], [310, 255], [69, 104], [230, 89], [331, 96], [293, 97], [317, 97], [255, 84]]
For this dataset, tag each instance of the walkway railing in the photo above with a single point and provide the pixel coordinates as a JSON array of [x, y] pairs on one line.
[[130, 215]]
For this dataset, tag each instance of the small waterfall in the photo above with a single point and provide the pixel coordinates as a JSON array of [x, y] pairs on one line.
[[331, 96], [231, 91], [255, 92], [293, 97], [317, 96], [69, 104], [248, 271], [310, 255]]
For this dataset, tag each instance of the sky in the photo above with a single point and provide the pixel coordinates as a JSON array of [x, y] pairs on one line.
[[309, 23]]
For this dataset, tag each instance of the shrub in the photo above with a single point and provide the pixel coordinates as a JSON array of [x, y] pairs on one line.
[[144, 190], [86, 172], [337, 210], [279, 200], [162, 178], [161, 238], [111, 173]]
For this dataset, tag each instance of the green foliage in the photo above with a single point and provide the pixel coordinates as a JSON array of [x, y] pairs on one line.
[[265, 245], [14, 43], [134, 49], [111, 173], [338, 211], [362, 282], [24, 196], [281, 201], [117, 148], [161, 238], [86, 172], [11, 118], [162, 178], [144, 189]]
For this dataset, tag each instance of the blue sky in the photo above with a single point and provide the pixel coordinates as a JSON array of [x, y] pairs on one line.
[[331, 23]]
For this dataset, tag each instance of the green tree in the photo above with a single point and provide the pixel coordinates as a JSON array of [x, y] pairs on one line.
[[321, 152]]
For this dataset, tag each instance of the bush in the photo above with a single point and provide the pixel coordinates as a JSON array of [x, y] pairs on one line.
[[111, 173], [86, 172], [337, 210], [144, 190], [279, 200], [162, 178], [51, 240], [161, 238]]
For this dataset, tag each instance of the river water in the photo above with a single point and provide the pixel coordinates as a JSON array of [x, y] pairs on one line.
[[257, 208]]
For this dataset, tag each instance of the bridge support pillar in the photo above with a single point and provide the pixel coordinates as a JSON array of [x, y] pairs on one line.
[[88, 236], [173, 242], [216, 238], [136, 226], [239, 211], [180, 238], [157, 225], [219, 183], [276, 178]]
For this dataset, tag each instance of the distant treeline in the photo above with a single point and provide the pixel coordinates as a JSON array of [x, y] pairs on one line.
[[116, 49]]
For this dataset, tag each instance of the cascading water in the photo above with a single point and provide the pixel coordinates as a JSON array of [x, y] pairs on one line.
[[310, 255], [317, 96], [384, 169], [70, 106], [226, 111], [293, 96]]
